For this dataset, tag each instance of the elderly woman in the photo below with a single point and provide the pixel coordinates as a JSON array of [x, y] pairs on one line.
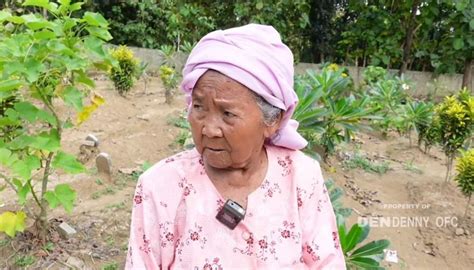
[[245, 197]]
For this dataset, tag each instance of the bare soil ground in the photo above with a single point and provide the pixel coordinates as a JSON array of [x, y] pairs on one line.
[[135, 130]]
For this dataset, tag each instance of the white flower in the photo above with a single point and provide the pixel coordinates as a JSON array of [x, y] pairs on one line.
[[405, 86]]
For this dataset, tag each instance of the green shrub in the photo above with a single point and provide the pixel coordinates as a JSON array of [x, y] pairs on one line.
[[124, 74], [456, 123], [373, 74], [465, 175], [170, 80]]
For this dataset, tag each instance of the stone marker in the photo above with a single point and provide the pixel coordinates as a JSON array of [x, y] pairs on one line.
[[459, 231], [66, 230], [93, 138], [76, 263], [104, 164], [89, 143]]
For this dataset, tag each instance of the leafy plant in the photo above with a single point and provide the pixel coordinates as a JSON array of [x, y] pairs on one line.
[[414, 116], [386, 97], [24, 260], [168, 52], [335, 194], [187, 47], [125, 73], [367, 256], [362, 162], [110, 266], [456, 123], [373, 74], [170, 80], [327, 112], [465, 175], [44, 59]]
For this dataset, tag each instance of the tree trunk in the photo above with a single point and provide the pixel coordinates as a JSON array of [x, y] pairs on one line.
[[409, 38], [466, 78], [467, 206]]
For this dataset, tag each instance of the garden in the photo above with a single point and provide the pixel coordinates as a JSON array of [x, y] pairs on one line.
[[399, 167]]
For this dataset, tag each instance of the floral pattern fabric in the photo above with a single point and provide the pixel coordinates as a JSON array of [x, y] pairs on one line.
[[289, 221]]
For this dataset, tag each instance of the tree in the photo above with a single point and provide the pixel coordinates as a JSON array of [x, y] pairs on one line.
[[45, 59]]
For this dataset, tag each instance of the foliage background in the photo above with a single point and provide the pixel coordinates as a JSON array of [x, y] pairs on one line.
[[352, 32]]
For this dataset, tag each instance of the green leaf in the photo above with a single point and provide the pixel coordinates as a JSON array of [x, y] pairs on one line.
[[65, 2], [63, 195], [16, 19], [4, 15], [352, 238], [458, 44], [95, 45], [51, 198], [46, 141], [10, 223], [68, 163], [83, 78], [471, 24], [44, 34], [100, 33], [8, 85], [46, 116], [24, 167], [23, 192], [73, 97], [27, 111], [4, 156], [76, 6], [33, 69], [95, 19], [259, 6], [366, 263], [50, 6], [35, 22], [37, 3], [372, 248]]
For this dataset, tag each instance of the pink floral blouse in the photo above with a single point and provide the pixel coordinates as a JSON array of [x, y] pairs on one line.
[[289, 221]]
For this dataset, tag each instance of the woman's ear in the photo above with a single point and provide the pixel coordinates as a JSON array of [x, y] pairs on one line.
[[271, 129]]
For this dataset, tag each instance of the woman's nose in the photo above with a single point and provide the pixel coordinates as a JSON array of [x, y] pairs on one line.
[[211, 128]]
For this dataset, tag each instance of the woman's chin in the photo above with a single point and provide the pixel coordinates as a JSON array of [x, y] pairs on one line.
[[217, 160]]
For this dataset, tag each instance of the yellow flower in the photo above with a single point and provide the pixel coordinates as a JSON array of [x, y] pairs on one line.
[[344, 75], [123, 53], [333, 67]]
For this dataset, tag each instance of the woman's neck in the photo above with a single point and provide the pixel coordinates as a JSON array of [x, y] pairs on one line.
[[243, 176]]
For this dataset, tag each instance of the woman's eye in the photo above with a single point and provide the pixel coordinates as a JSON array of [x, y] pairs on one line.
[[197, 106], [229, 114]]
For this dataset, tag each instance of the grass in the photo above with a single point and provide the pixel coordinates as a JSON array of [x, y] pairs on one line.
[[179, 121], [4, 242], [409, 166], [362, 162], [116, 206], [110, 190], [110, 266], [24, 260]]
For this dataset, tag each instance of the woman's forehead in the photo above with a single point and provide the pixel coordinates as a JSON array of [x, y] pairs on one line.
[[219, 86]]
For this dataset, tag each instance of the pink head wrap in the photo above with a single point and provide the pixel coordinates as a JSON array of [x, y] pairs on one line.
[[255, 56]]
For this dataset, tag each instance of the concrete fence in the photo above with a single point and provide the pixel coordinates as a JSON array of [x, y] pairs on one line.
[[424, 83]]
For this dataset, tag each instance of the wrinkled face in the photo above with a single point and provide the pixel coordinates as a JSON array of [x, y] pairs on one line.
[[226, 122]]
